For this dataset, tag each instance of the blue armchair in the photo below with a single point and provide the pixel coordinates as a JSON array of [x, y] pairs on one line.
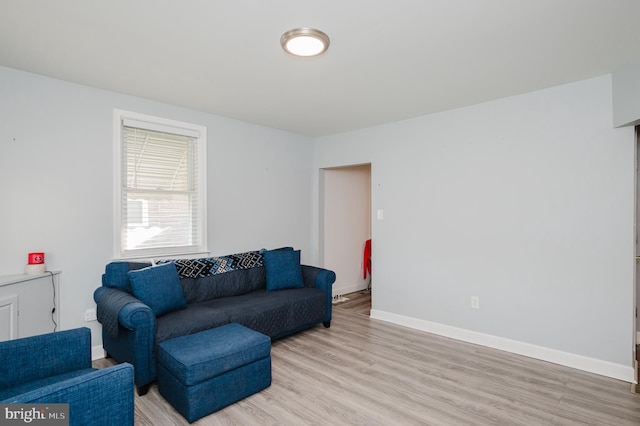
[[56, 368]]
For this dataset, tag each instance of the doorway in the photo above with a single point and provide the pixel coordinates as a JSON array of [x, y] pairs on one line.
[[345, 225]]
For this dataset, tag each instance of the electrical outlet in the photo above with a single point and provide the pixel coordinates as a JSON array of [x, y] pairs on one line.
[[90, 315], [475, 302]]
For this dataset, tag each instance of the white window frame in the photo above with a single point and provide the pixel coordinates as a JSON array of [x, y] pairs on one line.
[[164, 125]]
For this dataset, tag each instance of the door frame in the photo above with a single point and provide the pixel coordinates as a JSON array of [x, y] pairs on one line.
[[636, 291], [322, 222]]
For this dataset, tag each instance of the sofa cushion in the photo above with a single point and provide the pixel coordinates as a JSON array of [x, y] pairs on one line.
[[283, 269], [234, 283], [115, 274], [195, 318], [274, 313], [158, 287]]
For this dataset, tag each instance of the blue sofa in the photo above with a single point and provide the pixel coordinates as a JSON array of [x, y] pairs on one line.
[[56, 368], [141, 305]]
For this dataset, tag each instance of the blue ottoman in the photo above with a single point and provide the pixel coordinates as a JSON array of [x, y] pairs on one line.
[[204, 372]]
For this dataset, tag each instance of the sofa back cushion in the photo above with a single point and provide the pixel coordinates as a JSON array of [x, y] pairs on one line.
[[221, 276], [233, 283], [115, 274], [202, 279]]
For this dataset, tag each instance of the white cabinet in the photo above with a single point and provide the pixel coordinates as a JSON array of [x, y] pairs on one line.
[[27, 304]]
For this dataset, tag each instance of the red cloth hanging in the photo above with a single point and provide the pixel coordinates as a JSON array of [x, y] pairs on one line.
[[366, 262]]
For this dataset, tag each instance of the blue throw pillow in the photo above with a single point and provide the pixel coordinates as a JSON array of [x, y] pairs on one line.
[[283, 269], [158, 287]]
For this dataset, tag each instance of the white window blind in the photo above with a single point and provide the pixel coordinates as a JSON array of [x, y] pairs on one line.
[[161, 193]]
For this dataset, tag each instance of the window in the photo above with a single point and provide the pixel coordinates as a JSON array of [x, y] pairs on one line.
[[160, 186]]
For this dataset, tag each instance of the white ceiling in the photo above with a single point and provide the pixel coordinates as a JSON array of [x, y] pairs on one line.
[[388, 60]]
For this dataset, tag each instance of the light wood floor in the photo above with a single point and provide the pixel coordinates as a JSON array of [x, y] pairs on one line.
[[358, 303], [367, 372]]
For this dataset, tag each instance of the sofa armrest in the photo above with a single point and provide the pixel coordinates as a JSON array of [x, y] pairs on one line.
[[37, 357], [123, 308], [323, 279], [137, 315], [110, 304], [318, 277], [102, 397], [128, 331]]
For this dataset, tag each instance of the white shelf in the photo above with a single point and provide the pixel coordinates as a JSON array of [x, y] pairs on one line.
[[18, 278]]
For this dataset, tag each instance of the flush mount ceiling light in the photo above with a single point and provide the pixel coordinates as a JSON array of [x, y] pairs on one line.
[[304, 42]]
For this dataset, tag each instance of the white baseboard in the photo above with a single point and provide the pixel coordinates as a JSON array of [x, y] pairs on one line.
[[349, 289], [97, 352], [580, 362]]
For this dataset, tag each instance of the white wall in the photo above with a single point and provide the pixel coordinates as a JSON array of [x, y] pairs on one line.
[[346, 225], [626, 112], [56, 168], [626, 95], [526, 202]]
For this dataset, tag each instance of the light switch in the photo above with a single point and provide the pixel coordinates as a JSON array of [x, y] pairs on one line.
[[380, 214]]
